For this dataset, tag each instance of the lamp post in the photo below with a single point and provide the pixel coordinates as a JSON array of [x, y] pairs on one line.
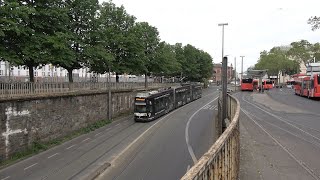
[[222, 24], [241, 67], [224, 81]]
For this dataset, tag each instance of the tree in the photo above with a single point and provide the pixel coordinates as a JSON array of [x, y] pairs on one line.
[[80, 25], [179, 51], [314, 22], [27, 29], [206, 66], [300, 51], [316, 51], [275, 61], [115, 26], [149, 40], [165, 62]]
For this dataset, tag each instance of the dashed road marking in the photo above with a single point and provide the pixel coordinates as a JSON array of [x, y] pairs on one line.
[[6, 178], [97, 134], [107, 129], [70, 146], [85, 140], [117, 124], [30, 166], [53, 155]]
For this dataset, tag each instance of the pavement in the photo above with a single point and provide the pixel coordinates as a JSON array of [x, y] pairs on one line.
[[279, 136]]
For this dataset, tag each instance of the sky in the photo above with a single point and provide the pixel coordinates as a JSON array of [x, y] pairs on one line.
[[253, 25]]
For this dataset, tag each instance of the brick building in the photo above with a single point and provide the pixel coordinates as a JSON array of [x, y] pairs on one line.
[[217, 68]]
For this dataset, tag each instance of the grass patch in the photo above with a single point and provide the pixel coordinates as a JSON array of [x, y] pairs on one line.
[[38, 147]]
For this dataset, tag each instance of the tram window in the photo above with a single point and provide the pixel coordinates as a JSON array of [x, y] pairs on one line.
[[141, 108]]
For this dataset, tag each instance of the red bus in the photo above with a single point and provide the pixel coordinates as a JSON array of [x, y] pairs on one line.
[[308, 86], [297, 78], [267, 84], [246, 84]]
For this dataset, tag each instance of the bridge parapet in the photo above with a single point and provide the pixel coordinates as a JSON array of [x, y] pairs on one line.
[[223, 158]]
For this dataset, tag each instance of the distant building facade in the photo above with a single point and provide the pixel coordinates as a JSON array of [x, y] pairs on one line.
[[217, 70], [45, 73]]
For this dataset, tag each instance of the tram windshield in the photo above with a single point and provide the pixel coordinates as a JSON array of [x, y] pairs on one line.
[[141, 108]]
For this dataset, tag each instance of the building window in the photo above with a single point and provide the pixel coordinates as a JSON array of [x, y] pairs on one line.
[[35, 73], [1, 72], [18, 73], [49, 74], [43, 74], [27, 73]]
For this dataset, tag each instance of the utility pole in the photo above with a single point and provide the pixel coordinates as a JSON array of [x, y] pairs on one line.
[[109, 96], [241, 67], [224, 91]]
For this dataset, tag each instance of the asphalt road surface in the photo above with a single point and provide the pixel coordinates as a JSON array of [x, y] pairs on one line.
[[162, 149], [280, 136]]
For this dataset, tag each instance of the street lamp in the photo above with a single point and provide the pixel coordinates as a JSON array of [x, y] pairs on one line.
[[222, 24], [241, 67]]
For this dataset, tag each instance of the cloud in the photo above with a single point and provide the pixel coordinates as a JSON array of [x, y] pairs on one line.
[[254, 26]]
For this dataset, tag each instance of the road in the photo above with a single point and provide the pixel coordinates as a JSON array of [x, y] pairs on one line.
[[280, 136], [161, 149]]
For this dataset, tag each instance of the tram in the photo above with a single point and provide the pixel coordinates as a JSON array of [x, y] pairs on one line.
[[151, 105]]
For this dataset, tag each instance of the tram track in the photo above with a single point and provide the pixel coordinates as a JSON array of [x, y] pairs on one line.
[[284, 148], [270, 127], [282, 119]]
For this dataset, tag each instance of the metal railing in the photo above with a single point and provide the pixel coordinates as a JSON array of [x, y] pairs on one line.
[[222, 160], [21, 89]]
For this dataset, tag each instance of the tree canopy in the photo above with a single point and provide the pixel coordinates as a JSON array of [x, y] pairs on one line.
[[83, 33]]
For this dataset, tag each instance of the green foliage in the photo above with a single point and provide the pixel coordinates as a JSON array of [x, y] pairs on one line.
[[276, 60], [115, 32], [196, 65], [314, 22], [77, 33], [300, 51]]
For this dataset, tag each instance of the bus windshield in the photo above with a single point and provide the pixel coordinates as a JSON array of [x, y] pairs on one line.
[[268, 82], [247, 80], [141, 108]]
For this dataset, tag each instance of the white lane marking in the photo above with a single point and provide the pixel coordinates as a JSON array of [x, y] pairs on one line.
[[53, 155], [187, 132], [107, 129], [30, 166], [141, 135], [213, 107], [6, 178], [117, 125], [301, 163], [85, 140], [97, 134], [70, 146]]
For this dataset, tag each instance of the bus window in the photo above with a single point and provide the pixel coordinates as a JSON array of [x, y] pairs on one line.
[[247, 80], [318, 79]]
